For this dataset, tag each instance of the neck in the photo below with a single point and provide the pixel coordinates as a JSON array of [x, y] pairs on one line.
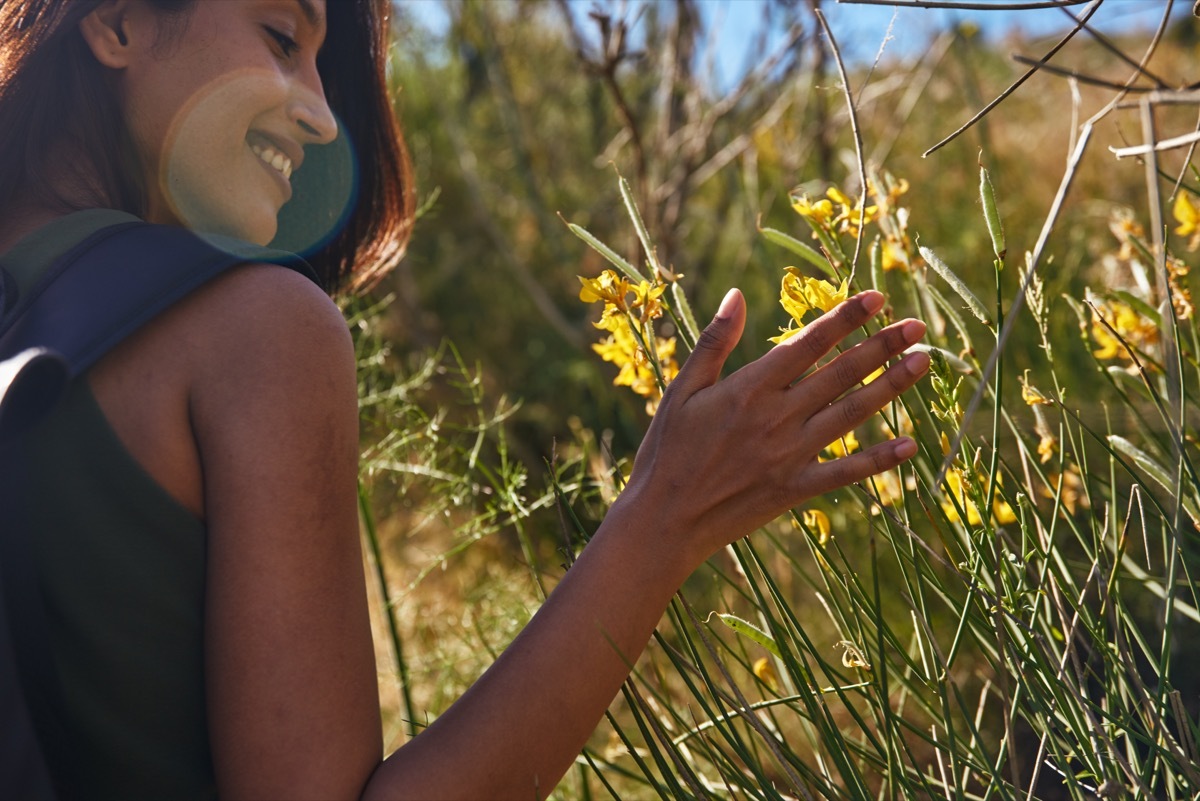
[[71, 185], [16, 224]]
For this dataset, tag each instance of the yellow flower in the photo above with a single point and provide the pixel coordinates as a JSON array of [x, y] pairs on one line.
[[799, 294], [1135, 329], [1073, 496], [635, 369], [822, 294], [1126, 229], [892, 256], [956, 486], [1031, 394], [888, 488], [818, 213], [1181, 296], [646, 298], [844, 446], [608, 287], [817, 521], [765, 672], [1046, 447], [851, 218], [1188, 218], [1186, 215]]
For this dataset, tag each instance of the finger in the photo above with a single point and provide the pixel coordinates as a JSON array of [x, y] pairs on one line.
[[789, 360], [850, 368], [828, 476], [703, 367], [846, 414]]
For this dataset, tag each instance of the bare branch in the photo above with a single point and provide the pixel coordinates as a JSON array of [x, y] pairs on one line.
[[858, 146], [1088, 12], [1030, 5], [1156, 147], [1091, 80]]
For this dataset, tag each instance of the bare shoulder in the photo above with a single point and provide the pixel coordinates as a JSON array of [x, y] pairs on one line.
[[271, 356], [266, 320]]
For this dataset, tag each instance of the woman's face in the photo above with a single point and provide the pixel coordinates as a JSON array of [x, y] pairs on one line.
[[220, 113]]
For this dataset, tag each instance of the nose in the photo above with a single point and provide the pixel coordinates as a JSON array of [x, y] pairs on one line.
[[309, 110]]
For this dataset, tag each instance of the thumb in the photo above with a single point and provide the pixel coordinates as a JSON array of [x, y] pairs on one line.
[[717, 340]]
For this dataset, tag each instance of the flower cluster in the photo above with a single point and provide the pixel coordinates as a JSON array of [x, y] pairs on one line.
[[629, 312], [836, 214]]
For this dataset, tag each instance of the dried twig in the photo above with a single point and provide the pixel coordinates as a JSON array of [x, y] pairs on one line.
[[858, 147], [1029, 5], [1087, 14]]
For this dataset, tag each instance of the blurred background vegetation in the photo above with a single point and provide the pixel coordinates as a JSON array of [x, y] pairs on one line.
[[521, 113]]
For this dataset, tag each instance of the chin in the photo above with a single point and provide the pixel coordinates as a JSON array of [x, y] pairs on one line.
[[258, 227]]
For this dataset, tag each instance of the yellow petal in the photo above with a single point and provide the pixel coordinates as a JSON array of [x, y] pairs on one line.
[[1185, 214]]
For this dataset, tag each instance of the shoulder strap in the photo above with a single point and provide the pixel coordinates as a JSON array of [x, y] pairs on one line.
[[114, 282], [95, 295]]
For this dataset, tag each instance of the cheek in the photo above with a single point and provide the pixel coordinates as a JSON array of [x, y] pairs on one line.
[[205, 170]]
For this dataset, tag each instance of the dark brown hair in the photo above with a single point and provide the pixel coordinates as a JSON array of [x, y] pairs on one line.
[[52, 89]]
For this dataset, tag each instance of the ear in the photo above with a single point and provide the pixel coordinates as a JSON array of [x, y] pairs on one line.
[[105, 30]]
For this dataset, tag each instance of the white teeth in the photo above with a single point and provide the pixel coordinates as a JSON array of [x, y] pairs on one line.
[[273, 158]]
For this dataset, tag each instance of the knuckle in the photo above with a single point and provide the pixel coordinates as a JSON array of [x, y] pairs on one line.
[[816, 341], [712, 338], [894, 340], [897, 380], [846, 373], [853, 409]]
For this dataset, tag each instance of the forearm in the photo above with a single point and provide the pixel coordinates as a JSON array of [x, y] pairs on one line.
[[519, 728]]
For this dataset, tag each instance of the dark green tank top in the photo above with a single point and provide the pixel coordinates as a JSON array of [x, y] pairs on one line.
[[122, 566]]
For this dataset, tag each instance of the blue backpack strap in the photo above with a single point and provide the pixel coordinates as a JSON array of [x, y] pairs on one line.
[[113, 283], [88, 301]]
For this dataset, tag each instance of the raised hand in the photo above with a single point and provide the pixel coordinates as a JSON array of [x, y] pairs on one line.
[[723, 457]]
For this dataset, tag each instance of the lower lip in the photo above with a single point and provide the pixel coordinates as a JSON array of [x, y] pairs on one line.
[[284, 184]]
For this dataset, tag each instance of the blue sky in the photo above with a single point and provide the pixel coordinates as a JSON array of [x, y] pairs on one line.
[[860, 29]]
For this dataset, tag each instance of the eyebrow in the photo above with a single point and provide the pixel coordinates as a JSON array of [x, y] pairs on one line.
[[311, 13]]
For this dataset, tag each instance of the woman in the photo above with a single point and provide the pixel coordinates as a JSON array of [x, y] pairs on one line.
[[196, 507]]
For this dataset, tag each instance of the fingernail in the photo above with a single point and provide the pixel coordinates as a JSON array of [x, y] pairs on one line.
[[913, 331], [917, 363], [871, 300], [726, 307], [904, 448]]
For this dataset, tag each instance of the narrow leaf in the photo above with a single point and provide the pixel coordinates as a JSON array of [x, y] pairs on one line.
[[806, 252], [638, 223], [604, 250]]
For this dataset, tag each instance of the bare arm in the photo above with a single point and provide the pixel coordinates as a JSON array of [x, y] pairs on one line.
[[721, 459], [292, 690]]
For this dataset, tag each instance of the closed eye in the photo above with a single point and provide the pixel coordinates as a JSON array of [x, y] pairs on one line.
[[287, 45]]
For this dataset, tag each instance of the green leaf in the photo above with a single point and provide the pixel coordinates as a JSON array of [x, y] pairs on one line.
[[638, 223], [806, 252], [604, 250], [1155, 470]]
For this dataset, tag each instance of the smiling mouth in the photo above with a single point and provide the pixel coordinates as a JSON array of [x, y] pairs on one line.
[[274, 159]]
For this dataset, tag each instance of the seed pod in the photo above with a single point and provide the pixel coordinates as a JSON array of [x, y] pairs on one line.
[[956, 283], [749, 630], [988, 196]]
